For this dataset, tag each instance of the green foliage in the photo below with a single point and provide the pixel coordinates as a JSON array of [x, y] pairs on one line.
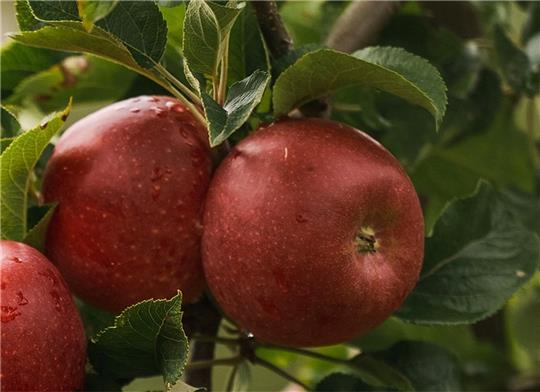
[[318, 73], [481, 249], [91, 11], [243, 97], [16, 164], [146, 339], [206, 28], [10, 125], [38, 220], [472, 267]]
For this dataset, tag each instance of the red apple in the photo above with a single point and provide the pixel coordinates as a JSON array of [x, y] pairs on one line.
[[130, 180], [43, 342], [313, 233]]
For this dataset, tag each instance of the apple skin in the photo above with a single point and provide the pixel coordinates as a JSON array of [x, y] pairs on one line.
[[130, 180], [42, 338], [282, 222]]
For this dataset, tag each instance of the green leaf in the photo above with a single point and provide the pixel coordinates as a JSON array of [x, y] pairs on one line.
[[20, 61], [247, 52], [477, 258], [85, 78], [146, 339], [181, 386], [16, 164], [141, 27], [54, 10], [522, 319], [25, 18], [392, 70], [95, 320], [242, 98], [206, 26], [10, 125], [93, 10], [495, 153], [37, 234], [75, 39], [138, 25], [515, 65], [5, 142], [343, 383], [380, 374], [429, 367]]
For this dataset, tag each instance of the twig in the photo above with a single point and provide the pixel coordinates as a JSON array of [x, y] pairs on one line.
[[273, 30], [280, 372], [214, 362], [360, 24], [222, 88], [180, 86], [232, 377], [309, 353], [202, 318]]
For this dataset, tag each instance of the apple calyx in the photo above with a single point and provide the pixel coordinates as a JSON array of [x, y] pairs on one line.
[[365, 241]]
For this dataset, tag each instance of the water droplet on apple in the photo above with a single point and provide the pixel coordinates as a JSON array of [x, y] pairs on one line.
[[301, 218], [135, 110], [56, 297], [15, 259], [175, 107], [156, 190], [9, 313], [21, 299]]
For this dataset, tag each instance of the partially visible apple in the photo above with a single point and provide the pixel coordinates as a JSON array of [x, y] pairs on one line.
[[42, 338], [130, 180], [313, 233]]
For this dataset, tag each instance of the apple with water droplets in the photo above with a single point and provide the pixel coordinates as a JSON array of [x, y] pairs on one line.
[[313, 233], [130, 181], [42, 337]]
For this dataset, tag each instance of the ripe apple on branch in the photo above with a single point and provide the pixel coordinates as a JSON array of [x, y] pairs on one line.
[[222, 207]]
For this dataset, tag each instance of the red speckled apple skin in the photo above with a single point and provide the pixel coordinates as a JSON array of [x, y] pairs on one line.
[[130, 180], [281, 218], [43, 341]]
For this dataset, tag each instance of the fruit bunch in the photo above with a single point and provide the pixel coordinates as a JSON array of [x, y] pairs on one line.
[[296, 250]]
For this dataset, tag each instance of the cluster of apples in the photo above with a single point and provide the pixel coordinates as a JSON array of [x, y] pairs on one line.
[[308, 233]]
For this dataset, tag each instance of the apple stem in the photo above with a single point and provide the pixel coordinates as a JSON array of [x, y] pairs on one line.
[[280, 372]]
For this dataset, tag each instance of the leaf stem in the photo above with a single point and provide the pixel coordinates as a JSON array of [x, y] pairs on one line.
[[215, 362], [166, 84], [179, 85], [280, 372], [232, 377], [309, 353], [222, 88]]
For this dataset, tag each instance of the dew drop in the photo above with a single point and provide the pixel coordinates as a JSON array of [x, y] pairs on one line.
[[56, 297], [301, 218], [21, 300], [156, 190], [8, 313], [157, 174], [15, 259], [175, 107], [135, 110], [184, 133]]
